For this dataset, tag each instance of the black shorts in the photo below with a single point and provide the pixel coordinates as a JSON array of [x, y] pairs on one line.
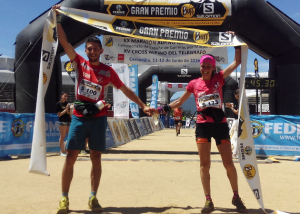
[[219, 131], [178, 121]]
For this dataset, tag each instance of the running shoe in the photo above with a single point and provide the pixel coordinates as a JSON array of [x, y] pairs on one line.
[[239, 205], [83, 152], [209, 207], [63, 206], [94, 204], [63, 154]]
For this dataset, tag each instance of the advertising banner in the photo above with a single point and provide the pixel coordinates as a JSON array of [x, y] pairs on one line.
[[134, 86], [130, 129], [135, 128], [172, 12], [116, 132], [149, 29], [276, 134], [154, 91], [246, 149], [124, 130], [121, 102], [140, 127], [138, 51], [110, 142], [16, 133], [49, 45]]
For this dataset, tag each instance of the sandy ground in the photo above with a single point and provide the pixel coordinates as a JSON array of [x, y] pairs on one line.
[[158, 173]]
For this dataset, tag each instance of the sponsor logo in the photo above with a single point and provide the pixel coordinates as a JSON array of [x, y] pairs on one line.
[[184, 71], [256, 128], [121, 58], [200, 37], [45, 55], [122, 104], [208, 8], [242, 156], [119, 7], [69, 67], [124, 24], [18, 127], [240, 130], [48, 57], [86, 75], [100, 79], [249, 171], [219, 59], [117, 131], [188, 10], [256, 193], [107, 57], [51, 35], [248, 150], [124, 131], [119, 10], [109, 42], [154, 79], [44, 78], [225, 37]]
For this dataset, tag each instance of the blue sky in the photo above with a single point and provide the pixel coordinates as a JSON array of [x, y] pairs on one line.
[[15, 15]]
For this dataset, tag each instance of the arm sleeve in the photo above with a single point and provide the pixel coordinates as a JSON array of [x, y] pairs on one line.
[[190, 87]]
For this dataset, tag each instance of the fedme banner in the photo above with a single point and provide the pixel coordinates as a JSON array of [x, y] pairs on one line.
[[276, 134], [16, 131]]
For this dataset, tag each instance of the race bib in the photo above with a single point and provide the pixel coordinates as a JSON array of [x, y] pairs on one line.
[[177, 118], [89, 89], [210, 100]]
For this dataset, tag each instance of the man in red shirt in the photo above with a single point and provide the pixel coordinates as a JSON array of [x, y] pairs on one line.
[[92, 80], [178, 119]]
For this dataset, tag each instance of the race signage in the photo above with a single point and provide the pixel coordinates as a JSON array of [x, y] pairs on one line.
[[174, 12], [145, 29], [141, 51]]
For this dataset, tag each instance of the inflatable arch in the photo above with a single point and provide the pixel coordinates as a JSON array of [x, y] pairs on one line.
[[266, 30]]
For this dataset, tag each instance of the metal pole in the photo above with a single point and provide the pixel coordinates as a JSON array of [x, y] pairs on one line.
[[260, 101], [256, 101]]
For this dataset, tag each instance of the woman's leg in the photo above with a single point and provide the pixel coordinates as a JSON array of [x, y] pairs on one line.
[[226, 154], [63, 132], [204, 148]]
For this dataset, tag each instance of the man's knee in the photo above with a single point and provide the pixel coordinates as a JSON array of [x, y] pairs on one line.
[[95, 157], [72, 156]]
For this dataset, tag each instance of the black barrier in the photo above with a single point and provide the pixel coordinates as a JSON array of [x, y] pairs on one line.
[[264, 28]]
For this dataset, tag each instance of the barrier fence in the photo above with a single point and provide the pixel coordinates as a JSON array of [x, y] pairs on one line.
[[273, 134], [16, 132]]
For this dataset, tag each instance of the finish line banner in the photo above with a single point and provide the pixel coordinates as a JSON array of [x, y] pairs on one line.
[[144, 29], [140, 51], [172, 12]]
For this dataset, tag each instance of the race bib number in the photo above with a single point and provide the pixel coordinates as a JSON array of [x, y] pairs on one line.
[[210, 100], [177, 118], [89, 89]]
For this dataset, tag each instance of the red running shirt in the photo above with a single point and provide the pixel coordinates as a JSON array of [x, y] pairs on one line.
[[92, 81], [178, 114], [207, 93]]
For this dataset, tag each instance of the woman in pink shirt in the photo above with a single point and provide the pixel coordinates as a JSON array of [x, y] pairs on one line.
[[211, 122]]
